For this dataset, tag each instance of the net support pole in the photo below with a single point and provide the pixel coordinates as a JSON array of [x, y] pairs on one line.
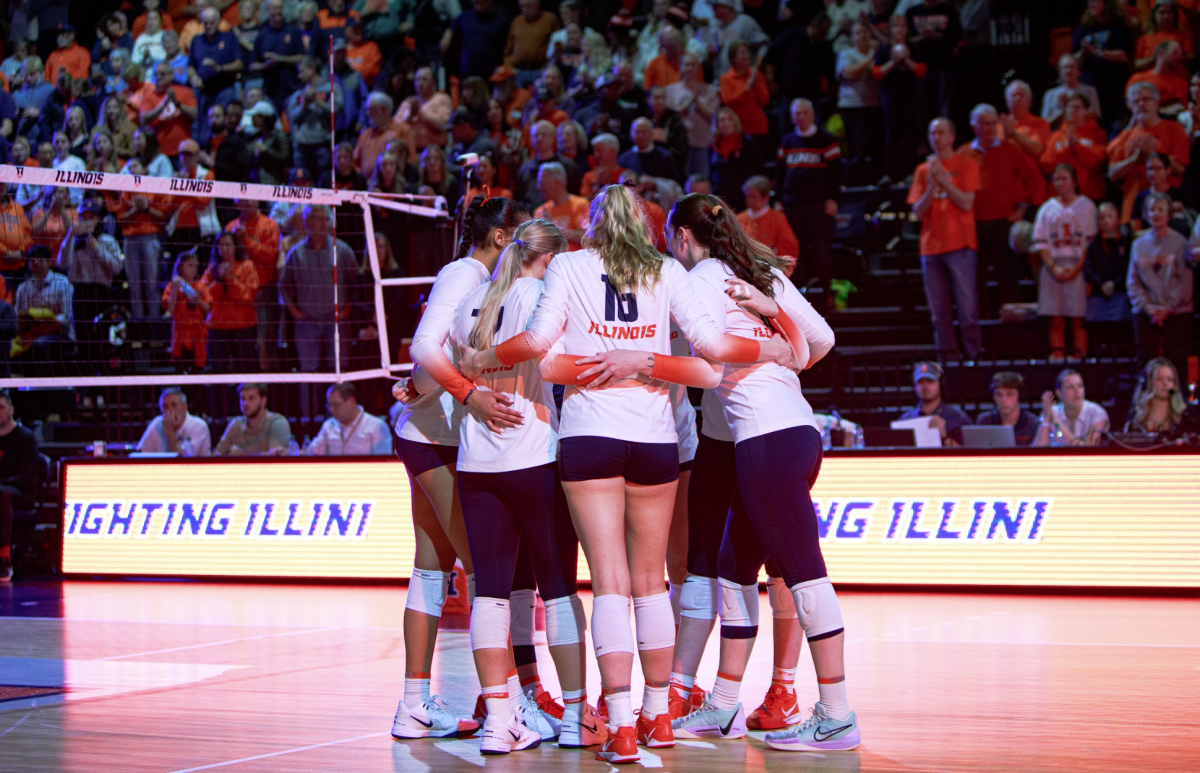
[[337, 305], [385, 352]]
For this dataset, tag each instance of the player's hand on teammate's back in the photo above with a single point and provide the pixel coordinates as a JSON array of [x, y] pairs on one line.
[[494, 409]]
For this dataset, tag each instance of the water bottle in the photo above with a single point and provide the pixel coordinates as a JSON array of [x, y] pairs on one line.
[[859, 440], [306, 449], [1056, 438], [827, 436], [186, 448], [293, 449]]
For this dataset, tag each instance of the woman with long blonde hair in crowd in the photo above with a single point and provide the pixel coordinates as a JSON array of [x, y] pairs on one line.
[[1158, 404]]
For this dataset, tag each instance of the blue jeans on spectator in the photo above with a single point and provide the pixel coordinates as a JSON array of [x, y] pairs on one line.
[[141, 267], [1114, 309], [314, 345], [950, 281]]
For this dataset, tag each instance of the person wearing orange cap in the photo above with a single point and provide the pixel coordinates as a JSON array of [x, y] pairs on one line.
[[509, 95]]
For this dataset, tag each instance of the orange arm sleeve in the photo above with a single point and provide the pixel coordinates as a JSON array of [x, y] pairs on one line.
[[561, 369], [731, 348], [447, 376], [519, 348], [689, 371], [795, 337]]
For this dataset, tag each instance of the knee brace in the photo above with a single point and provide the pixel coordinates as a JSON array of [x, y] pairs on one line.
[[489, 624], [522, 604], [698, 599], [427, 592], [565, 621], [780, 596], [739, 610], [610, 625], [676, 609], [655, 624], [817, 605]]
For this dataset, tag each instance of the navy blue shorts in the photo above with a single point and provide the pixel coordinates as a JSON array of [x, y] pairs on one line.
[[711, 492], [591, 457], [422, 457]]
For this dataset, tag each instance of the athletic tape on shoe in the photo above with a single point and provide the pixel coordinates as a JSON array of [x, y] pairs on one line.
[[675, 591], [739, 609], [698, 599], [655, 623], [819, 611], [489, 624], [783, 607], [427, 592], [611, 631], [522, 604], [563, 625]]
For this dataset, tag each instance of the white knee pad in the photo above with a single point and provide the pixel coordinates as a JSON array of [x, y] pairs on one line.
[[471, 588], [655, 624], [674, 593], [522, 604], [610, 625], [783, 607], [739, 604], [565, 622], [817, 604], [698, 599], [427, 592], [489, 624]]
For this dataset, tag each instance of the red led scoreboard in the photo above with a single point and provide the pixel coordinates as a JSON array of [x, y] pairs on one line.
[[1032, 518]]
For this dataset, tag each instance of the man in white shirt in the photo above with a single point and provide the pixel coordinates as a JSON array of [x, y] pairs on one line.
[[350, 431], [176, 430]]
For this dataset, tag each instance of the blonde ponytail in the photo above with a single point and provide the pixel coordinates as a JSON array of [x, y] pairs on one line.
[[531, 239], [619, 230]]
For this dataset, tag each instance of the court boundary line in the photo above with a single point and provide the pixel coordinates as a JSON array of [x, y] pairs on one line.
[[217, 643], [256, 757]]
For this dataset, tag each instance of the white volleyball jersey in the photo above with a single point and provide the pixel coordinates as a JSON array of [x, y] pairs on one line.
[[762, 397], [435, 416], [582, 309], [685, 414], [535, 441], [1065, 231], [713, 412]]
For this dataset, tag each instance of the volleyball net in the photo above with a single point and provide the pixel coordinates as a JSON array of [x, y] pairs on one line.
[[122, 280]]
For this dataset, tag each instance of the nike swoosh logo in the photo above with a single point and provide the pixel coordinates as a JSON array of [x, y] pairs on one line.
[[515, 736], [419, 722], [820, 734], [590, 729], [729, 725]]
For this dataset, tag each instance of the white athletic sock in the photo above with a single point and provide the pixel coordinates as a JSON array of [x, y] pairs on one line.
[[684, 681], [533, 686], [514, 690], [496, 700], [573, 704], [654, 701], [725, 691], [833, 697], [784, 677], [416, 689], [620, 709]]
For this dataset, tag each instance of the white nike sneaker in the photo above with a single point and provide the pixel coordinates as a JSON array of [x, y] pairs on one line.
[[548, 726], [818, 733], [501, 736], [579, 734], [430, 720], [710, 722]]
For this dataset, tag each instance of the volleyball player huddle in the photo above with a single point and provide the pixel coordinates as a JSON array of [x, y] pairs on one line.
[[508, 484]]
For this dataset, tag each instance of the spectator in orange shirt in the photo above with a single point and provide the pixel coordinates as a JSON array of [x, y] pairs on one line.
[[744, 90], [53, 218], [1169, 76], [232, 281], [663, 69], [528, 38], [426, 112], [1008, 186], [1163, 26], [335, 16], [195, 216], [169, 108], [605, 169], [374, 138], [1147, 133], [1028, 131], [141, 217], [1081, 143], [569, 213], [70, 55], [943, 199], [151, 6], [188, 301], [16, 235], [510, 97], [361, 54], [764, 224]]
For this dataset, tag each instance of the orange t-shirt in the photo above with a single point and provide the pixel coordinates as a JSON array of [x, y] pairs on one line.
[[190, 205], [660, 72], [142, 223], [571, 215], [1088, 154], [747, 101], [945, 227], [1171, 88], [591, 186], [1170, 138], [365, 59], [1146, 44], [139, 24], [1007, 177], [172, 125], [16, 235], [233, 299], [772, 229], [262, 245], [55, 229], [76, 59], [188, 331]]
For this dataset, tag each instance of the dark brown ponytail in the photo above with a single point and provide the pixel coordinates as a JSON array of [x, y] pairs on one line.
[[715, 226], [483, 216]]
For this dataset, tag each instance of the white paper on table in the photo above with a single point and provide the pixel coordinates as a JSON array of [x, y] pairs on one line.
[[926, 436]]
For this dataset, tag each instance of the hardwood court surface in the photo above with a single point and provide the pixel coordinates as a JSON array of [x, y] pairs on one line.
[[167, 677]]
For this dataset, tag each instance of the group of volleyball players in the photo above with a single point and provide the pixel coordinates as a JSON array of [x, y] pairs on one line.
[[511, 481]]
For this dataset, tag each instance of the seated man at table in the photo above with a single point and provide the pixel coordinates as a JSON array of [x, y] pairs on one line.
[[176, 430], [1006, 394], [350, 430], [947, 419], [257, 431]]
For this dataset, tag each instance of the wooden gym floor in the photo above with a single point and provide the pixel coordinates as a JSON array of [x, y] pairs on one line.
[[170, 677]]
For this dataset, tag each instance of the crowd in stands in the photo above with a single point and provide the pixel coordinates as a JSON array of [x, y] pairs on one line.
[[777, 107]]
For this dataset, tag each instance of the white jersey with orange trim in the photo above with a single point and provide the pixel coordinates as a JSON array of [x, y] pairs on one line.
[[435, 417], [762, 397], [581, 308], [535, 441], [713, 414], [685, 413]]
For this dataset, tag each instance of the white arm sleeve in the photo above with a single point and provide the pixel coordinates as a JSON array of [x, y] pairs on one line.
[[692, 314], [449, 288]]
